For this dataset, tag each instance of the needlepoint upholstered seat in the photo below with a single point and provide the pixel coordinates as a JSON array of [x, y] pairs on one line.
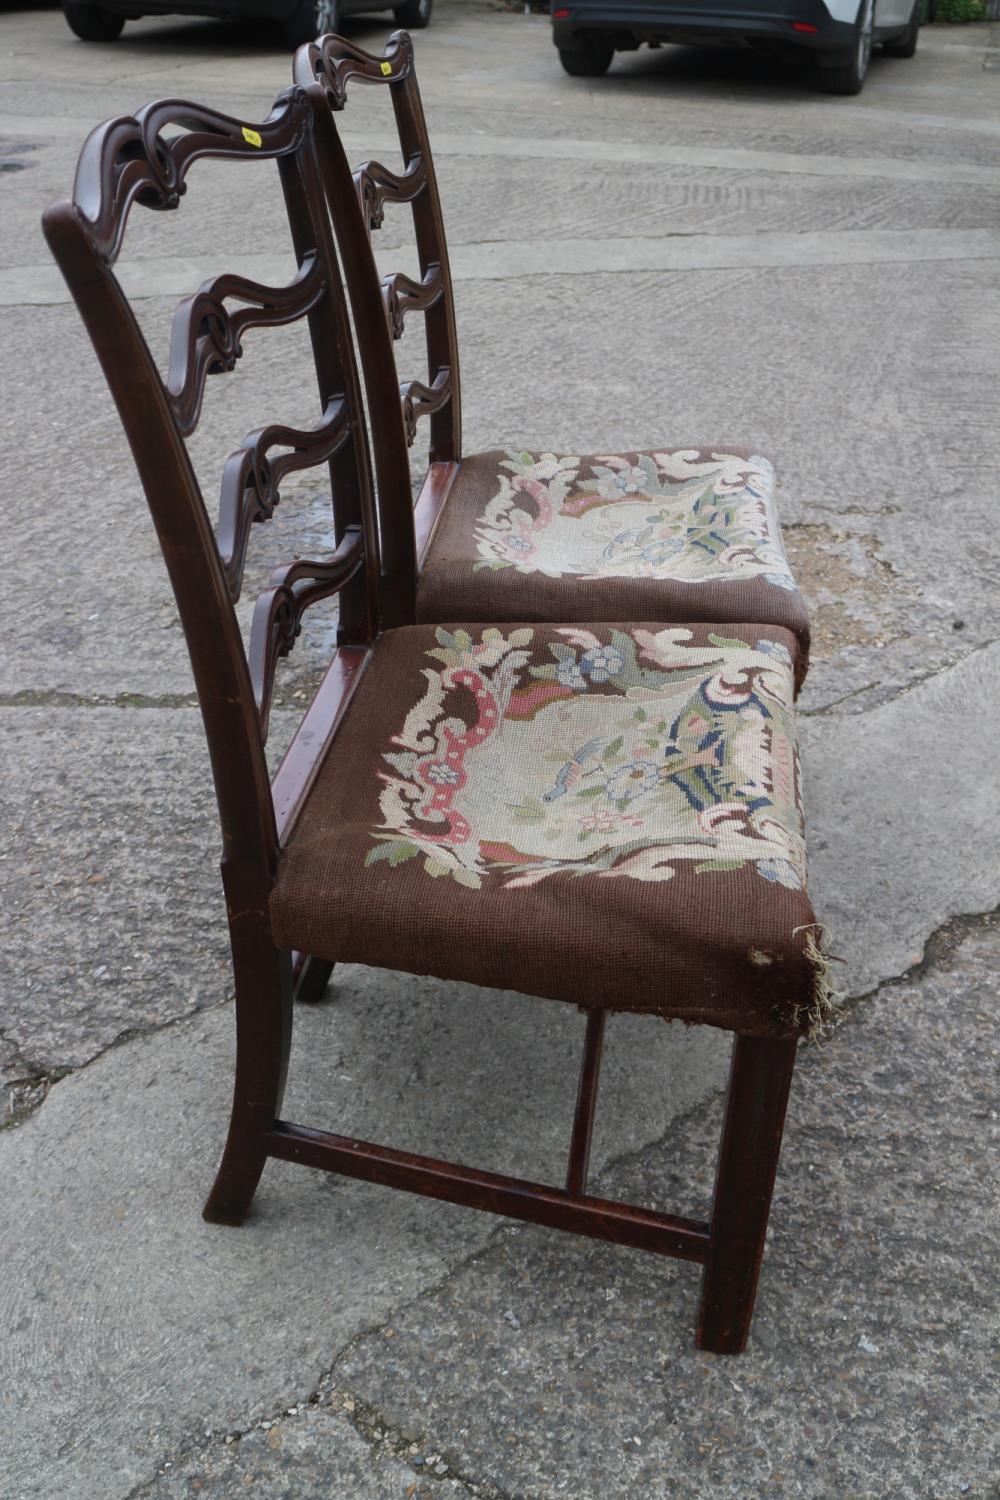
[[606, 816], [673, 534], [684, 534]]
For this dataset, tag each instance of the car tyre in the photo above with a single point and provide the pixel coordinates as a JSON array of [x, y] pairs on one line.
[[310, 19], [414, 15], [845, 72], [906, 45], [589, 61], [92, 23]]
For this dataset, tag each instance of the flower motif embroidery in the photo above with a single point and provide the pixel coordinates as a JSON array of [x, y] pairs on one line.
[[661, 772], [633, 780], [713, 518], [601, 663]]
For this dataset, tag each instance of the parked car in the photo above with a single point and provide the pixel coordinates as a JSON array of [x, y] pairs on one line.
[[839, 33], [302, 19]]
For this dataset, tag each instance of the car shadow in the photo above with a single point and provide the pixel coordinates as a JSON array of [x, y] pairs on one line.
[[742, 72]]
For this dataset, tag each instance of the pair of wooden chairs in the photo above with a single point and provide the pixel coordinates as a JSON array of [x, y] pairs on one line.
[[554, 750]]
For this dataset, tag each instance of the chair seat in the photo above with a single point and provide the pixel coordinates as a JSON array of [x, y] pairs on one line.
[[674, 535], [603, 815]]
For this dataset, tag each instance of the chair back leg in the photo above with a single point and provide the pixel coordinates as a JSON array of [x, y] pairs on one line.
[[263, 1042], [759, 1079]]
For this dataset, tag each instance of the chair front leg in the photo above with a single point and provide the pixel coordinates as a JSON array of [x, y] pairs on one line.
[[310, 977], [759, 1079], [263, 1041]]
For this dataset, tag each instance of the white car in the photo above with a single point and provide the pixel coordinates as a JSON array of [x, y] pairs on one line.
[[839, 33]]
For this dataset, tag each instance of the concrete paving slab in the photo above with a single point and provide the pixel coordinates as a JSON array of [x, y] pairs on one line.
[[844, 445], [920, 781], [506, 259], [110, 883], [313, 1457], [185, 1327], [115, 629], [548, 1367]]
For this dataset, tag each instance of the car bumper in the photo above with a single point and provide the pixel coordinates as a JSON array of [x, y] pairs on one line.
[[224, 10], [732, 22]]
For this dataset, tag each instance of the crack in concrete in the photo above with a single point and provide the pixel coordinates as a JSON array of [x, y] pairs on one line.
[[54, 698], [42, 1076], [909, 687], [818, 713], [939, 948], [57, 698], [377, 1431], [900, 691], [29, 1086]]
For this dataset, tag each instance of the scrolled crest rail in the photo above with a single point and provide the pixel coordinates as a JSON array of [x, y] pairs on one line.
[[333, 63], [129, 160]]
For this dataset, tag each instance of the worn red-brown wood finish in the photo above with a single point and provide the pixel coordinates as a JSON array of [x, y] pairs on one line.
[[132, 162]]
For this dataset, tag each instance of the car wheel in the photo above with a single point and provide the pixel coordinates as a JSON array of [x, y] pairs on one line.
[[310, 19], [91, 23], [906, 45], [589, 61], [845, 73], [414, 15]]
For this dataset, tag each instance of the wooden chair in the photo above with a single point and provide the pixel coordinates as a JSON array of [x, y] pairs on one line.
[[602, 814], [675, 534]]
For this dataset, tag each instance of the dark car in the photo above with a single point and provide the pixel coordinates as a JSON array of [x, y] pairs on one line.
[[302, 19], [839, 33]]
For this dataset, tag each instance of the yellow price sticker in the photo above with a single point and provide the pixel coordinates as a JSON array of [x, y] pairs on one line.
[[386, 69], [252, 137]]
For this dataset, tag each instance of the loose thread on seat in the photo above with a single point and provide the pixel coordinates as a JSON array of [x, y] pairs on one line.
[[817, 1020]]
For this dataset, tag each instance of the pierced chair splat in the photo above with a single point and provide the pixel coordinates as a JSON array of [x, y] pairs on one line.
[[675, 533]]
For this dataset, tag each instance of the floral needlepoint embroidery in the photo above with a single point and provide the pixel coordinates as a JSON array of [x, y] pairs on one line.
[[681, 515], [619, 757]]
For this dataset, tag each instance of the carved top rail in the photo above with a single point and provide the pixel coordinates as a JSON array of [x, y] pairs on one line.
[[333, 62], [128, 160]]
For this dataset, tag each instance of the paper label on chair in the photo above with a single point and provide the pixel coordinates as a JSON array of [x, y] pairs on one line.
[[252, 137], [386, 69]]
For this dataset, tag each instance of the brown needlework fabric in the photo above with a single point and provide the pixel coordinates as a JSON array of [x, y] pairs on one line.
[[603, 815], [675, 535]]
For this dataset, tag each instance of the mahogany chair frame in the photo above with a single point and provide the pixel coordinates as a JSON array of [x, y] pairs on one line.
[[131, 161]]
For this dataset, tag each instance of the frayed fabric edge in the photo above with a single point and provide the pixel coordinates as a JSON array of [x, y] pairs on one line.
[[819, 1017]]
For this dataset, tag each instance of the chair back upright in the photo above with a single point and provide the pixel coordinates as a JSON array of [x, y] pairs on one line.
[[331, 63], [143, 161]]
